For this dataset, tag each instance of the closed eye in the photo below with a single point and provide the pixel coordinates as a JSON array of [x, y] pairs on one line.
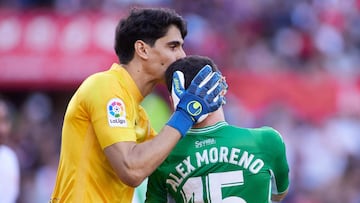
[[174, 44]]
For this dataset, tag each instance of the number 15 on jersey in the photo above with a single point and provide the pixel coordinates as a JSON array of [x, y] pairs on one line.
[[195, 191]]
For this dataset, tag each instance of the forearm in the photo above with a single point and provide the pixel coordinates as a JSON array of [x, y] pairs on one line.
[[148, 156], [134, 162]]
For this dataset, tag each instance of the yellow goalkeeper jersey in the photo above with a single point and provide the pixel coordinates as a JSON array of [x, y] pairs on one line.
[[103, 111]]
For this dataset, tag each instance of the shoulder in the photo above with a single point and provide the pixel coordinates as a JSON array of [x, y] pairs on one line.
[[103, 85], [262, 133], [97, 90], [268, 134], [99, 80]]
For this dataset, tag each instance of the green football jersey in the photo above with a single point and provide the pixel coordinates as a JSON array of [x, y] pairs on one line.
[[222, 164]]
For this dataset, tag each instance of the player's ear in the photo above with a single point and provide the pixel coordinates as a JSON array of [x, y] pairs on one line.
[[141, 49]]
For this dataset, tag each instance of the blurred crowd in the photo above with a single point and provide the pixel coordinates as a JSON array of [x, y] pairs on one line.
[[260, 36]]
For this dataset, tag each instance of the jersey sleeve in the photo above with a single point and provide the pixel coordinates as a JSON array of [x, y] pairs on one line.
[[110, 110], [156, 189], [143, 128], [152, 133], [279, 166]]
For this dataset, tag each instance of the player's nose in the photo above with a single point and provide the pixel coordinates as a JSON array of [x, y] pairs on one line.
[[181, 54]]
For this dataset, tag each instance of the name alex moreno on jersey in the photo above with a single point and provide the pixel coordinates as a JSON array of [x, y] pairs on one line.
[[213, 155]]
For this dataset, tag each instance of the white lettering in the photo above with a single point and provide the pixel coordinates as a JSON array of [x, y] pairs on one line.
[[224, 152], [204, 143], [245, 159], [213, 155], [188, 164], [181, 170], [256, 166], [234, 155], [200, 158], [173, 183]]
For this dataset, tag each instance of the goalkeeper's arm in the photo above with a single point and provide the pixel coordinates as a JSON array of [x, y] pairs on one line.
[[133, 162]]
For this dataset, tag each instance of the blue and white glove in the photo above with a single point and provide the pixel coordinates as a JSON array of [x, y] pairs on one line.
[[204, 95]]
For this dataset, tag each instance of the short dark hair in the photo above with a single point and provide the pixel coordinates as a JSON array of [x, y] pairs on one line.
[[147, 24], [190, 66]]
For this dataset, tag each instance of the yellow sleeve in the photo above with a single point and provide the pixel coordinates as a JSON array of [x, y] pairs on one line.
[[110, 108], [143, 128]]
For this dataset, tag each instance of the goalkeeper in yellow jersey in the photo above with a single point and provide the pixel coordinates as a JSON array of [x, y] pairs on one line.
[[108, 146]]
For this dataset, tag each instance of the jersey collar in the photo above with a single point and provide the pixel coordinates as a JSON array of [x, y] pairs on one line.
[[208, 128]]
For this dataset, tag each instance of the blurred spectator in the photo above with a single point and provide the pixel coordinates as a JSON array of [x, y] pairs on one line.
[[37, 146], [45, 174], [345, 188], [27, 4], [9, 167]]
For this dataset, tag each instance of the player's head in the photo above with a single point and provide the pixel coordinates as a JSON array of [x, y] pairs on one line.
[[146, 24], [190, 66], [6, 120]]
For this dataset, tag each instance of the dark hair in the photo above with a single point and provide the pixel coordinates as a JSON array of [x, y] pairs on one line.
[[147, 24], [190, 66]]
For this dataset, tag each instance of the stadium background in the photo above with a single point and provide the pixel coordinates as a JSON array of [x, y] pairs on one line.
[[293, 65]]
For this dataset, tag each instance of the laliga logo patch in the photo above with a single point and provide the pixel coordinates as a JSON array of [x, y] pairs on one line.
[[194, 108], [116, 113]]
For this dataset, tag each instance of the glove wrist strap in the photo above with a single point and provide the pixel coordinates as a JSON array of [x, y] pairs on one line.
[[181, 121]]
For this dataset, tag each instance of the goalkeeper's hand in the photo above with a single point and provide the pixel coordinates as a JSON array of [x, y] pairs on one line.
[[204, 95]]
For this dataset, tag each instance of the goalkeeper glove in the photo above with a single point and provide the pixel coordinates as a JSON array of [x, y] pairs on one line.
[[204, 95]]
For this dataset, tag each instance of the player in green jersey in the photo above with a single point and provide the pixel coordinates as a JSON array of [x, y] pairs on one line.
[[217, 162]]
